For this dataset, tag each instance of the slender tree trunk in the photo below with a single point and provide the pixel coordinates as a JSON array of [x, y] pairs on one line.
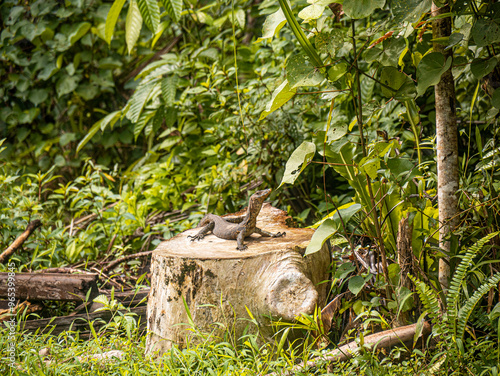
[[447, 147]]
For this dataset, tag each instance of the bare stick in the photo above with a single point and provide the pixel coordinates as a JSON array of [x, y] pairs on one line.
[[62, 270], [112, 264], [32, 226], [383, 340]]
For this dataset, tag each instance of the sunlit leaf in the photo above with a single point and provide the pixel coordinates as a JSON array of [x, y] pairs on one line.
[[272, 25], [281, 95], [112, 18], [133, 25], [298, 162], [361, 8]]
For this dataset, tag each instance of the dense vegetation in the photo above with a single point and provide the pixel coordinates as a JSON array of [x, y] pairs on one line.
[[147, 114]]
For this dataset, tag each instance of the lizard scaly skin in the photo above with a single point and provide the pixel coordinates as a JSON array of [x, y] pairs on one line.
[[237, 227]]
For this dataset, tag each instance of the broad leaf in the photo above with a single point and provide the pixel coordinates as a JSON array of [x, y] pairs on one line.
[[481, 68], [315, 10], [150, 13], [430, 70], [138, 101], [329, 42], [75, 32], [281, 95], [327, 229], [361, 8], [133, 25], [344, 270], [402, 86], [169, 88], [173, 8], [272, 25], [66, 84], [337, 71], [110, 120], [485, 32], [370, 166], [410, 10], [111, 19], [495, 99], [356, 284], [301, 72], [298, 162], [346, 212], [238, 18]]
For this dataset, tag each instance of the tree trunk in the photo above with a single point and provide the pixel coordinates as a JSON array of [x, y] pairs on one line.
[[220, 284], [447, 148]]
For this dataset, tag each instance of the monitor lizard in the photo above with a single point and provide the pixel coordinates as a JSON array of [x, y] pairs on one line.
[[236, 227]]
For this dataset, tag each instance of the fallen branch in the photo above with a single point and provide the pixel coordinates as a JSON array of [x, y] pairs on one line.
[[112, 264], [382, 340], [62, 270], [50, 286], [32, 226]]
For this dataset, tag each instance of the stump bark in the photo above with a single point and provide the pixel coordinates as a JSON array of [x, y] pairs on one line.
[[218, 283]]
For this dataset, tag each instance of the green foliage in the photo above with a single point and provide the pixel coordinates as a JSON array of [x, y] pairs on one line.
[[460, 305], [58, 77]]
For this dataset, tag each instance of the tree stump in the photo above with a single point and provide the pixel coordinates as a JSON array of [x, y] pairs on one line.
[[217, 282]]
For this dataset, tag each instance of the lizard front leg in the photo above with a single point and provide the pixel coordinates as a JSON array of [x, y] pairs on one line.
[[239, 239], [269, 234], [204, 231]]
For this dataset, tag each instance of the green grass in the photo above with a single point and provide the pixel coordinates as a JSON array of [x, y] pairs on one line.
[[68, 353]]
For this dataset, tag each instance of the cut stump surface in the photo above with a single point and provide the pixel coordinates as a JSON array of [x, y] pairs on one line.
[[271, 278]]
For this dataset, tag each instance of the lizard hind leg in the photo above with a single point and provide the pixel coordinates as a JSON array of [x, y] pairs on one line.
[[269, 234]]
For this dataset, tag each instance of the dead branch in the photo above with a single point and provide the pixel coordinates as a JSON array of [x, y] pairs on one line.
[[112, 264], [32, 226], [383, 340], [62, 270]]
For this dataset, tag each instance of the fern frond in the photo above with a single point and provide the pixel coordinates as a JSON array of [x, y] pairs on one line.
[[453, 294], [429, 299], [466, 310]]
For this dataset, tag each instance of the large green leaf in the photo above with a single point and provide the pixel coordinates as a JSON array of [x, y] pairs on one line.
[[485, 32], [410, 10], [110, 120], [397, 84], [430, 70], [298, 161], [300, 72], [495, 99], [361, 8], [169, 88], [133, 25], [356, 284], [481, 68], [66, 84], [111, 19], [281, 95], [173, 8], [342, 214], [150, 12], [327, 229], [329, 42], [138, 101], [75, 32], [315, 10]]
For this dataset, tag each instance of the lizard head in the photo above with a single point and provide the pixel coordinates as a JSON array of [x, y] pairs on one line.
[[261, 195]]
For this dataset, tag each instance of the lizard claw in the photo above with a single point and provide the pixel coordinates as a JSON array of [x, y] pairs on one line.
[[241, 248], [196, 237], [279, 235]]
